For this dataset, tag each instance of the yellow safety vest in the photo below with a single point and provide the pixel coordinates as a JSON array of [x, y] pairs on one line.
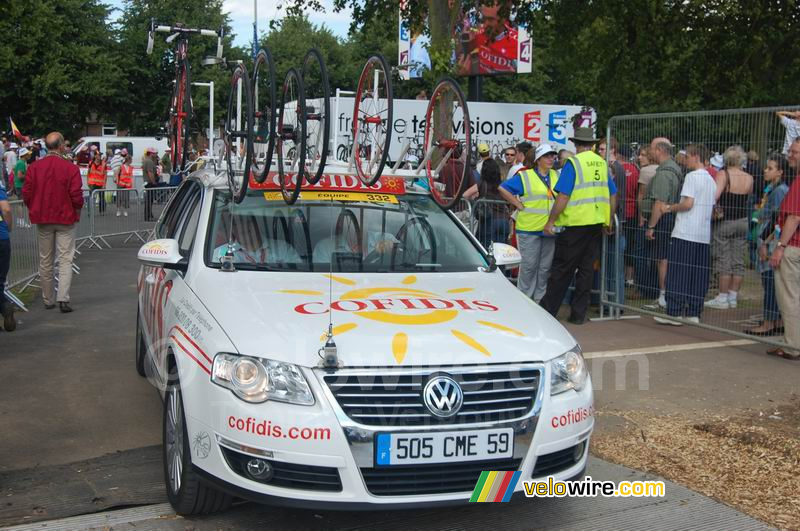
[[590, 202], [537, 200]]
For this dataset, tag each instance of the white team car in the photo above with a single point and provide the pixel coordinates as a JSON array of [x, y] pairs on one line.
[[441, 368]]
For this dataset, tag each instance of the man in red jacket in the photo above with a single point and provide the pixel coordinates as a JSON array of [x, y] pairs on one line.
[[53, 195]]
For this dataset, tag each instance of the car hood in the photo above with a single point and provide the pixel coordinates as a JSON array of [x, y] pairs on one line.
[[382, 319]]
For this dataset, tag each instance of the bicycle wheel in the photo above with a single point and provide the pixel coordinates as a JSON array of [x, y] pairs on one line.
[[447, 141], [291, 136], [265, 115], [318, 111], [372, 120], [180, 117], [239, 133]]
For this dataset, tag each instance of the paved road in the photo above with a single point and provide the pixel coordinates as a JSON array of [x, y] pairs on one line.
[[81, 429]]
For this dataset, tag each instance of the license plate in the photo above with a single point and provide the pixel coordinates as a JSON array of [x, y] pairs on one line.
[[442, 447]]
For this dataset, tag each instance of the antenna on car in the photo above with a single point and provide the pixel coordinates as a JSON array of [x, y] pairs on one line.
[[227, 265], [329, 353]]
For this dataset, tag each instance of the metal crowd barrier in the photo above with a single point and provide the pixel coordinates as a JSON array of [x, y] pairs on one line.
[[103, 217], [630, 261]]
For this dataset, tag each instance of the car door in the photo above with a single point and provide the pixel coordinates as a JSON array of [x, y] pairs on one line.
[[160, 286]]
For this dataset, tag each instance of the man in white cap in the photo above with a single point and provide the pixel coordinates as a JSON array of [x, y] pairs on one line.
[[10, 159], [115, 162], [531, 192]]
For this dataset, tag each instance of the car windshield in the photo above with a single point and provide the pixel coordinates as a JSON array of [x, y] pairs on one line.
[[408, 233]]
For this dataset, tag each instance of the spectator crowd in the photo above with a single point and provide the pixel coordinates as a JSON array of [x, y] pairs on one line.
[[687, 219]]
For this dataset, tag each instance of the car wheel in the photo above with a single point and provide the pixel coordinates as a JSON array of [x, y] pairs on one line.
[[141, 347], [186, 492]]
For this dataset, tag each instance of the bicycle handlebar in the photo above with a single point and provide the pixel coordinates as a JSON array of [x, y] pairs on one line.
[[181, 29]]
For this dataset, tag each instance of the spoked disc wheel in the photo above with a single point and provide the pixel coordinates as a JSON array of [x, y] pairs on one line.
[[266, 115], [372, 120], [179, 119], [239, 133], [290, 142], [447, 141], [318, 110], [291, 136]]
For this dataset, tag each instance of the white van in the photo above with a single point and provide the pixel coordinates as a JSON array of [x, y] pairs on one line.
[[107, 144]]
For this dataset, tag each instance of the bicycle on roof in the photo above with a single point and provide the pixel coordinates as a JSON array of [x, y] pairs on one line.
[[180, 108]]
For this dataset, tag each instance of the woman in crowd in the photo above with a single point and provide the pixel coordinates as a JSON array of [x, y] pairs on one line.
[[124, 181], [734, 186], [647, 169], [492, 215], [531, 193], [776, 174], [96, 178]]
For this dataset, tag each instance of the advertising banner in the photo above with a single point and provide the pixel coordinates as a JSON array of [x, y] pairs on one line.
[[497, 124]]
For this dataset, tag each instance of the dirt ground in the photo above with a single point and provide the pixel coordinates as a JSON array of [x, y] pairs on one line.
[[749, 461]]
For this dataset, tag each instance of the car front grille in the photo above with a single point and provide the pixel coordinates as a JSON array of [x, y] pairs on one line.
[[288, 475], [394, 398], [431, 479]]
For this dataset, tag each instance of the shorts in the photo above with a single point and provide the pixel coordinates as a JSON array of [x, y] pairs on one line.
[[662, 234], [730, 246]]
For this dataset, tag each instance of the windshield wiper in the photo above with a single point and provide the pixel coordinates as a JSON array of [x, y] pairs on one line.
[[256, 267]]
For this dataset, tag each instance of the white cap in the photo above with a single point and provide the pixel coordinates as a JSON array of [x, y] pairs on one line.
[[23, 152], [117, 151], [13, 145], [543, 150], [717, 161]]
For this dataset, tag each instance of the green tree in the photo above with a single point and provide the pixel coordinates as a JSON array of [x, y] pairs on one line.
[[291, 38], [58, 63]]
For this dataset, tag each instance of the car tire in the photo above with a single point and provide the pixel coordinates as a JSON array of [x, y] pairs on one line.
[[141, 347], [186, 491]]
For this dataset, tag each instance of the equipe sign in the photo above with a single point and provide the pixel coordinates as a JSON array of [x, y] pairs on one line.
[[497, 124]]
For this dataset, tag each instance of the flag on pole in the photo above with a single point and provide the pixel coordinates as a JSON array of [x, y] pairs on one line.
[[16, 132]]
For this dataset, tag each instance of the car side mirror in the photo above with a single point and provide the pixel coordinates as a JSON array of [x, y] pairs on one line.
[[506, 255], [164, 252]]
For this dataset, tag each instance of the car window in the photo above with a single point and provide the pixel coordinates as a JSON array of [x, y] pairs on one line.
[[168, 224], [411, 234], [188, 226]]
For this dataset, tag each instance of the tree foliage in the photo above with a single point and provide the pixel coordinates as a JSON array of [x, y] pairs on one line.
[[57, 61]]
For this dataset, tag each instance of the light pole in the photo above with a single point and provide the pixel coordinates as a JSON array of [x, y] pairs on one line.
[[255, 29], [210, 86]]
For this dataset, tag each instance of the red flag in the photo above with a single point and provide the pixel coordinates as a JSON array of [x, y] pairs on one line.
[[16, 132]]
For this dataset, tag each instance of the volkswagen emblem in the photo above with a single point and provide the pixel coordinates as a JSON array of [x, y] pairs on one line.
[[443, 396]]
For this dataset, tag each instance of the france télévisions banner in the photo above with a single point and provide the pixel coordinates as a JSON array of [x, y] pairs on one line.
[[486, 43], [497, 124]]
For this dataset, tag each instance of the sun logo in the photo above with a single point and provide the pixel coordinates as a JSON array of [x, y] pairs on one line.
[[405, 306]]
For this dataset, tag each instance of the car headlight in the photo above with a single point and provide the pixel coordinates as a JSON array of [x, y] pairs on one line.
[[257, 380], [568, 371]]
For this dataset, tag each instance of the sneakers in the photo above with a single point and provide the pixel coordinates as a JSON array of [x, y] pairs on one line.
[[720, 302], [125, 213], [9, 322], [670, 321], [118, 213], [660, 302]]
